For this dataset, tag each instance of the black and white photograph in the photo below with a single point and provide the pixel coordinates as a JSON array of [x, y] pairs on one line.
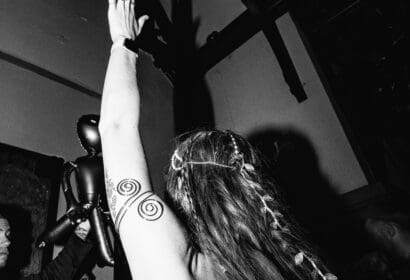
[[204, 140]]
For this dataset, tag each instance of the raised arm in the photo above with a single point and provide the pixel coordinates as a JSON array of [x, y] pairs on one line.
[[154, 242]]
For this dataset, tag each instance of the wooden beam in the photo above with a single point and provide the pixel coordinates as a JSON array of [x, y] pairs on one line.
[[257, 9], [161, 18], [261, 15], [240, 30]]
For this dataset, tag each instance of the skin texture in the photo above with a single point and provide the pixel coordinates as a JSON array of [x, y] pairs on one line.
[[150, 233], [4, 241]]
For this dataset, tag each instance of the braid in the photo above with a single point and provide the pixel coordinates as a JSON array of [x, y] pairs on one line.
[[183, 187], [274, 218], [190, 202]]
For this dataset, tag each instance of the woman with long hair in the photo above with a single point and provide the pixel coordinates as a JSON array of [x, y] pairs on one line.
[[225, 220]]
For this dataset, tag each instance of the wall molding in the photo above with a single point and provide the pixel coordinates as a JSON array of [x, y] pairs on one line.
[[47, 74]]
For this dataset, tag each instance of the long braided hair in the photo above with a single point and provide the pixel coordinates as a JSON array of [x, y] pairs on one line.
[[234, 215]]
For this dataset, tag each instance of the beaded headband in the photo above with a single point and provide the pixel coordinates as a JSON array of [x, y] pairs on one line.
[[177, 162]]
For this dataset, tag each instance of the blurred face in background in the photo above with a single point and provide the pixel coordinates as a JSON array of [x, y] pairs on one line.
[[4, 241], [390, 236]]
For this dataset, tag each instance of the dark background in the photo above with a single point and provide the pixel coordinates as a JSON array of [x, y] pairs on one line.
[[29, 187]]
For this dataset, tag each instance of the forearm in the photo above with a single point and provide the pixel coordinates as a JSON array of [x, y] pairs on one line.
[[120, 100], [119, 128], [149, 231]]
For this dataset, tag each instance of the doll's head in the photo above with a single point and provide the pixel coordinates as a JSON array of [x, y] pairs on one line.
[[87, 130]]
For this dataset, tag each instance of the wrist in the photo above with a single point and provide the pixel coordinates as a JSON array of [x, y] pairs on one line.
[[123, 43]]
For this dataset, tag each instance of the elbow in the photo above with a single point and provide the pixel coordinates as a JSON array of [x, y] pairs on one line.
[[104, 127], [109, 125], [116, 126]]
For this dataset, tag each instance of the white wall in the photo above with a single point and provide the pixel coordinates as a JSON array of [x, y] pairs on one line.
[[40, 115], [250, 94], [69, 38]]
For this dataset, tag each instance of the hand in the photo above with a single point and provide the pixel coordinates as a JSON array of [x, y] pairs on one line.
[[121, 19], [83, 229]]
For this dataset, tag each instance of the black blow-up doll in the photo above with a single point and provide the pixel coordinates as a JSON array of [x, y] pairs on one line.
[[89, 177]]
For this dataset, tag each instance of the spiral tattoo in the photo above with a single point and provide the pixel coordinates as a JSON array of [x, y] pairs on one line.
[[128, 187], [150, 209]]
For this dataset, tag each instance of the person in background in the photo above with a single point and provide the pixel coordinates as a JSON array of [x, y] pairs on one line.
[[390, 232], [226, 220], [4, 241], [63, 267], [388, 229], [374, 265]]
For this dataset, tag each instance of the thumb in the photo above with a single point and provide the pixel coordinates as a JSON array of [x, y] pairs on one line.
[[140, 23]]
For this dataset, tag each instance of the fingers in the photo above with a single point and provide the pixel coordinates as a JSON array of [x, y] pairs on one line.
[[140, 23], [127, 11], [142, 20], [114, 2], [121, 19]]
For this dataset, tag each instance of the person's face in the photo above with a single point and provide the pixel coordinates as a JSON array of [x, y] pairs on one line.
[[388, 235], [4, 241]]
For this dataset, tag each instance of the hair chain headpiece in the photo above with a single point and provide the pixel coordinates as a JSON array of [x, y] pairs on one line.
[[237, 160], [237, 156], [178, 163], [235, 145]]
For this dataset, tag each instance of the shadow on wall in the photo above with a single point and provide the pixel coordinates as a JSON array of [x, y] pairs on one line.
[[293, 162], [192, 100], [21, 229]]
